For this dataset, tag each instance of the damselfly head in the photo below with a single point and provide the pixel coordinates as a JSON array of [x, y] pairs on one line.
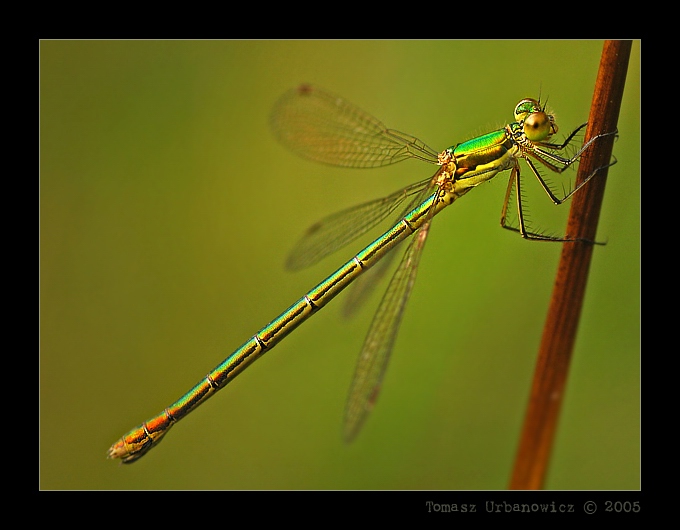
[[538, 125]]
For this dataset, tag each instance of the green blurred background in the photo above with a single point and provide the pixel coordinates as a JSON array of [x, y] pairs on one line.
[[166, 213]]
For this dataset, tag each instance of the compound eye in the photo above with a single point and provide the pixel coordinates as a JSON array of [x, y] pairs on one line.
[[526, 107], [538, 126]]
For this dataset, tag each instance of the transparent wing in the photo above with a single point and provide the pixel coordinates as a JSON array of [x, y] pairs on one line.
[[378, 345], [364, 286], [339, 229], [323, 127]]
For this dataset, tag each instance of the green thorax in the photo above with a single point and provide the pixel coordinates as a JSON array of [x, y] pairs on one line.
[[482, 149]]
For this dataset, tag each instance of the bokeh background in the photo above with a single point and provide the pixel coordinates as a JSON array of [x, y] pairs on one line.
[[167, 210]]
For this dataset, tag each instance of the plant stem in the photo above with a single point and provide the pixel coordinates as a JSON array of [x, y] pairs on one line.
[[559, 333]]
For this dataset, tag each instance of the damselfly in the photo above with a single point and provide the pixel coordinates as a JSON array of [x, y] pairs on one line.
[[323, 127]]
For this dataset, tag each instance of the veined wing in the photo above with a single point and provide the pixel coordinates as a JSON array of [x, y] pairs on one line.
[[339, 229], [326, 128], [378, 345], [364, 286]]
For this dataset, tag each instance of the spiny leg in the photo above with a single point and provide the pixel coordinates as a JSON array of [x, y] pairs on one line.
[[567, 140], [547, 189], [515, 182], [541, 152]]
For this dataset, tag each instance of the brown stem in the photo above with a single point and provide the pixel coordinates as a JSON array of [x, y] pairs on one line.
[[559, 333]]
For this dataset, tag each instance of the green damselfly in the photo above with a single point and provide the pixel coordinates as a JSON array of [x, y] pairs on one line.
[[323, 127]]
